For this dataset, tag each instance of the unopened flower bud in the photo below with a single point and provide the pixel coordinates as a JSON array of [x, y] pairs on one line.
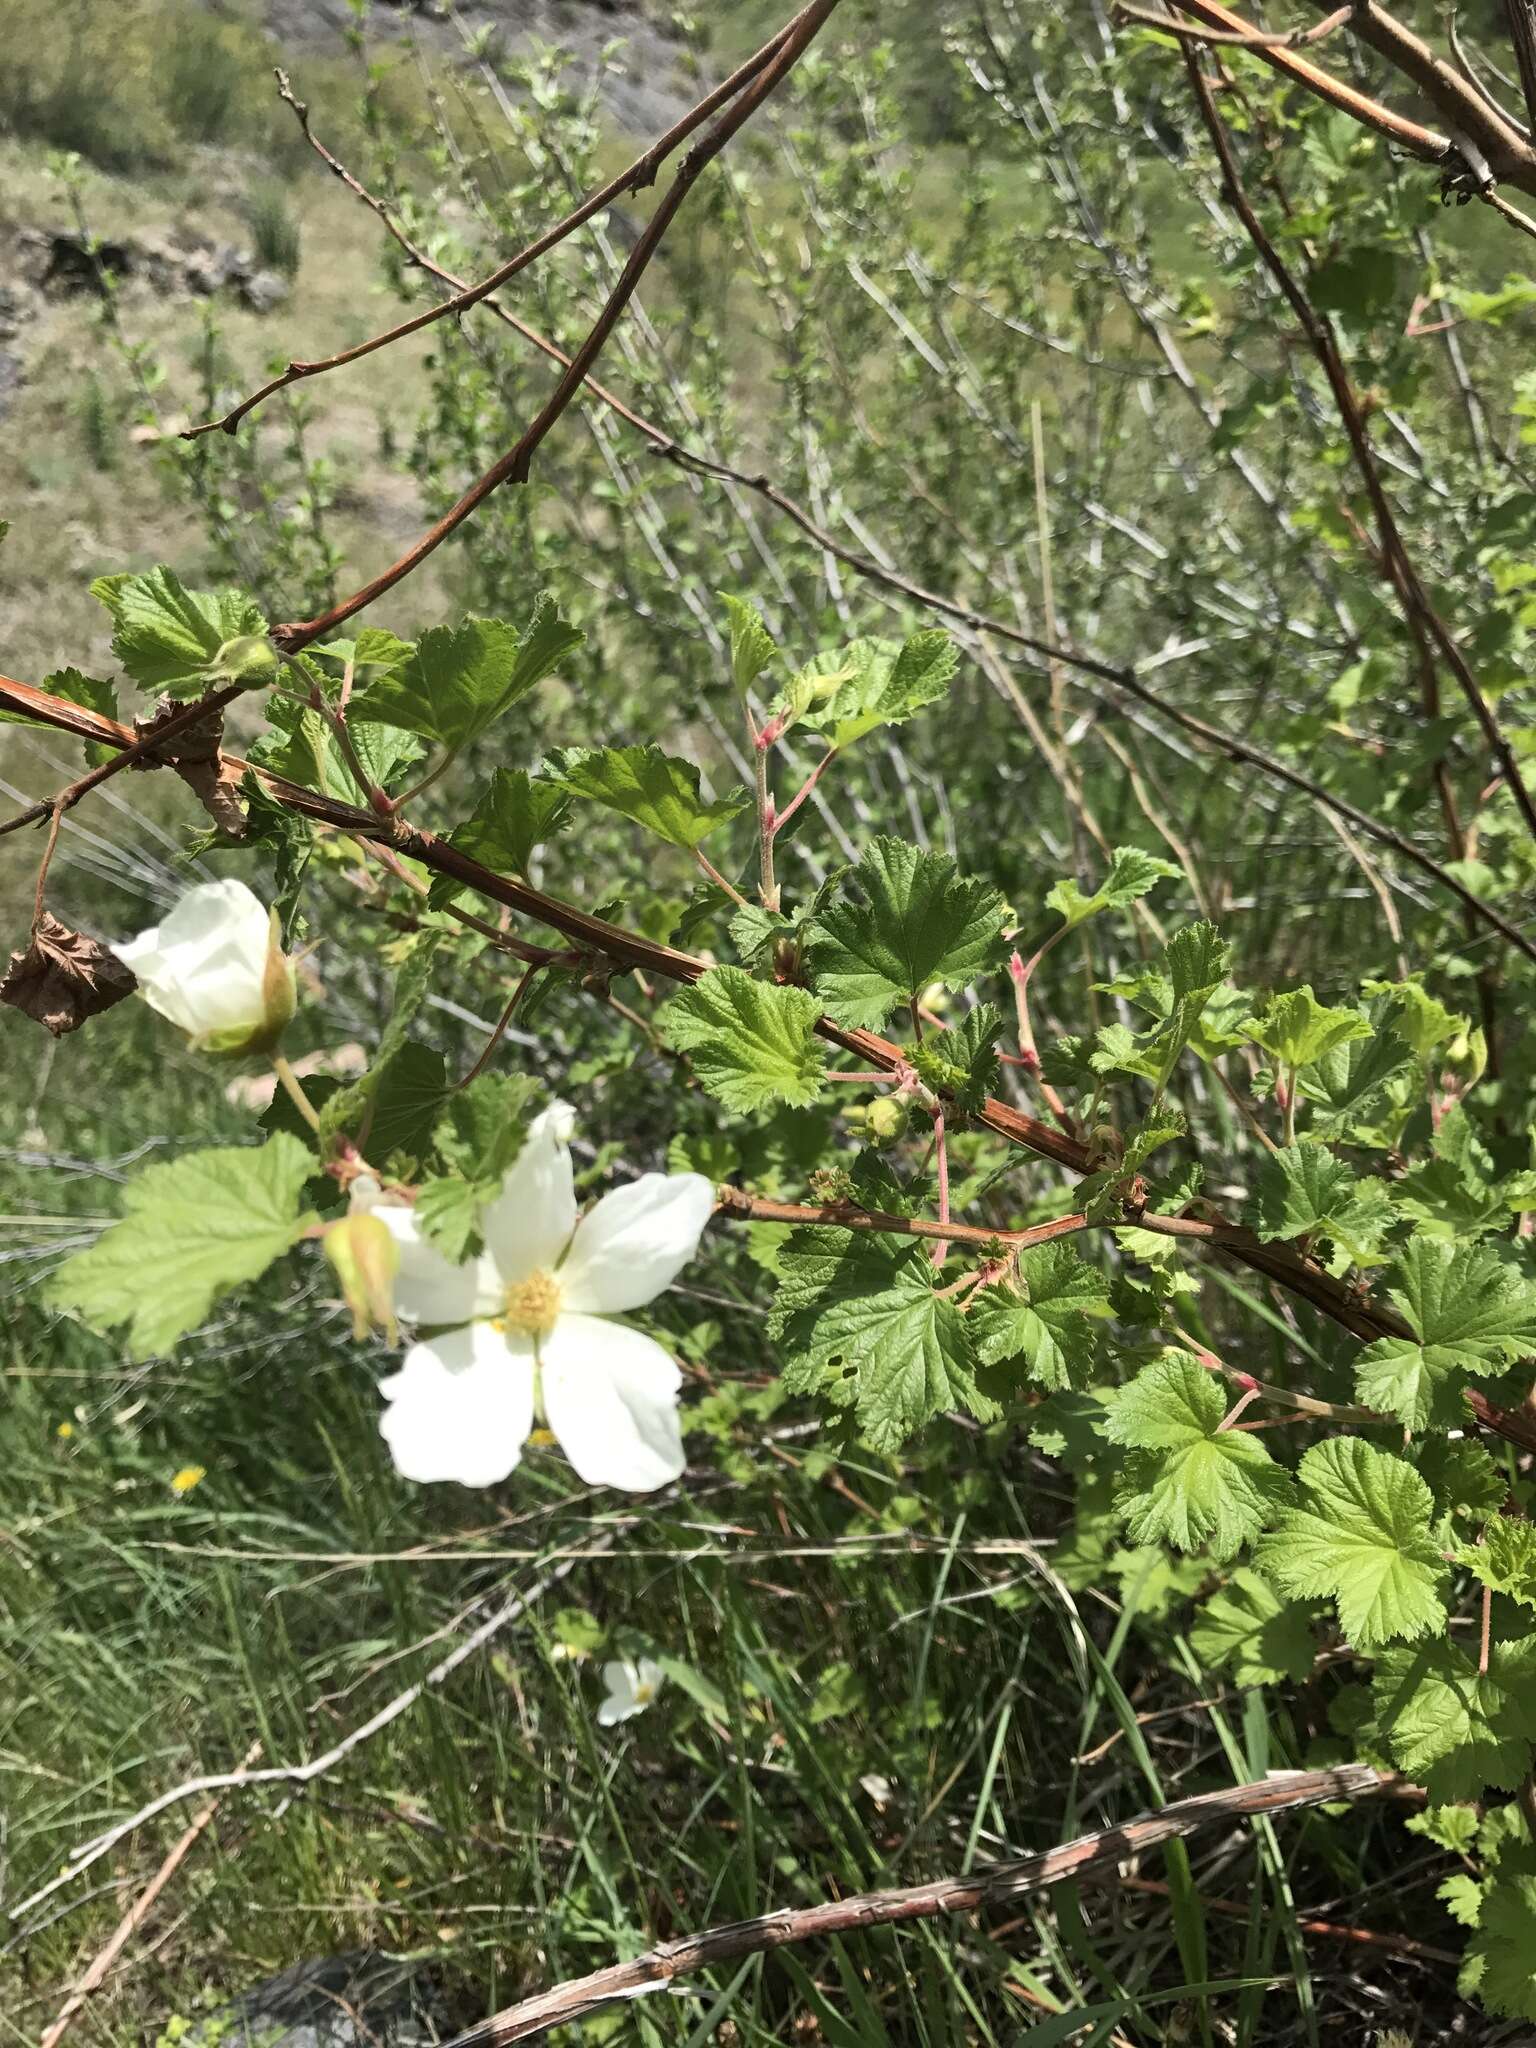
[[365, 1258], [885, 1121], [250, 659], [216, 968]]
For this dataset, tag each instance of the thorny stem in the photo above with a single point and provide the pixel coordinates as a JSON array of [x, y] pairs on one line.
[[767, 826], [1310, 1405], [940, 1250], [499, 1029], [718, 879], [783, 817], [1019, 971], [294, 1089]]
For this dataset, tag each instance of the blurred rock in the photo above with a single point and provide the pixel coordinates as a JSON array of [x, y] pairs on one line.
[[263, 290], [363, 1999]]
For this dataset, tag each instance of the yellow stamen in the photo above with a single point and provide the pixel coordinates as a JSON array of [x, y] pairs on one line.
[[533, 1305]]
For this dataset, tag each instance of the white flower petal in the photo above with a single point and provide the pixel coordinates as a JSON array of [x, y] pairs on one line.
[[530, 1222], [621, 1703], [461, 1407], [205, 967], [636, 1242], [428, 1287], [610, 1396]]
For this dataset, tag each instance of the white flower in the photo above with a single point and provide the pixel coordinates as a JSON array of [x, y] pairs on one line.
[[215, 967], [529, 1334], [631, 1688]]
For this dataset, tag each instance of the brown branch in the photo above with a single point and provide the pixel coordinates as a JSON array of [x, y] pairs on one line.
[[1238, 39], [1089, 1855], [967, 615], [737, 1202], [514, 466], [1509, 156], [1423, 619], [1360, 1313], [1419, 141], [641, 173]]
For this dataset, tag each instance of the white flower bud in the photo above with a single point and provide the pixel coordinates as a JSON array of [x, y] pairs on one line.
[[216, 969]]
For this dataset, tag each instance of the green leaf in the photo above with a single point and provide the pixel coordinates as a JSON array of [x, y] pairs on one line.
[[1188, 1481], [1303, 1191], [460, 679], [481, 1132], [751, 1042], [962, 1063], [752, 646], [1131, 874], [655, 789], [861, 1324], [449, 1212], [1296, 1029], [1499, 1955], [1505, 1560], [1346, 1084], [166, 636], [192, 1229], [350, 1105], [1363, 1538], [1453, 1729], [1470, 1313], [516, 813], [1261, 1638], [1043, 1327], [1449, 1827], [921, 920], [880, 684]]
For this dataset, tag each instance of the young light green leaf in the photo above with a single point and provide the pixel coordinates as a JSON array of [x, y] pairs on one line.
[[1453, 1729], [460, 679], [1131, 874], [482, 1128], [962, 1063], [1498, 1964], [1505, 1560], [516, 813], [1470, 1313], [921, 920], [655, 789], [1261, 1638], [1363, 1538], [879, 684], [166, 636], [750, 1042], [449, 1213], [1042, 1327], [1347, 1084], [192, 1229], [752, 647], [1303, 1191], [1189, 1481], [860, 1323], [1296, 1029]]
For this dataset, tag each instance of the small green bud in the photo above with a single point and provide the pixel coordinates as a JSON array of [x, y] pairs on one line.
[[251, 659], [885, 1121], [1467, 1055], [365, 1258]]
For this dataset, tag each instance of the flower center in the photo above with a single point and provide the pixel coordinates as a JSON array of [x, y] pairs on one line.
[[533, 1305], [644, 1694]]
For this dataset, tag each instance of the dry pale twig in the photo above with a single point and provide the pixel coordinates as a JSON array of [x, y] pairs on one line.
[[655, 1970], [96, 1975], [82, 1858]]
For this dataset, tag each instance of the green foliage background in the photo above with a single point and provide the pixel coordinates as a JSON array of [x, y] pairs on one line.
[[973, 299]]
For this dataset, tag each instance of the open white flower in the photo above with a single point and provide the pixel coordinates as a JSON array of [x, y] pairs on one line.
[[631, 1688], [529, 1336], [217, 969]]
